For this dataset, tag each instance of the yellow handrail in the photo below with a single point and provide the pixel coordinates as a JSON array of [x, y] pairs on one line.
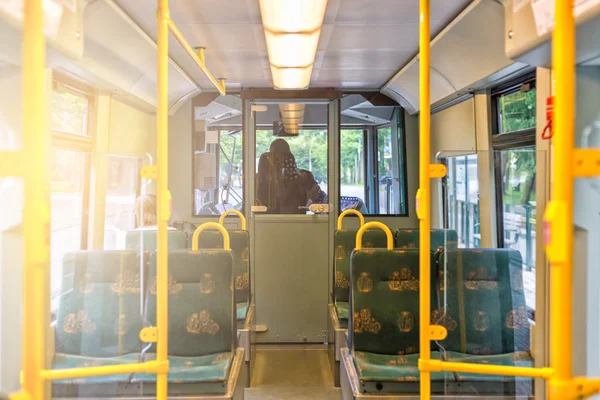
[[235, 212], [351, 211], [423, 203], [371, 225], [149, 367], [214, 225], [197, 57], [163, 196], [36, 210], [559, 213]]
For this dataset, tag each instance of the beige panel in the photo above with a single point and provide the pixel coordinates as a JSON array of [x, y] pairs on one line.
[[540, 344], [180, 162], [454, 129], [132, 132], [485, 171], [452, 133]]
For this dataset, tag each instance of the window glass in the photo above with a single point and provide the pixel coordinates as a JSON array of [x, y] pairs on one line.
[[218, 179], [461, 187], [291, 171], [385, 191], [517, 184], [516, 111], [69, 112], [68, 176], [352, 170], [121, 189]]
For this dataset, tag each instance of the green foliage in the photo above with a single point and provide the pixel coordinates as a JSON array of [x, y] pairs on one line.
[[309, 149], [351, 157], [517, 111], [69, 113]]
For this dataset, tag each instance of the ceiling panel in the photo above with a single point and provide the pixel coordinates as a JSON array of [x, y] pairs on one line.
[[363, 42]]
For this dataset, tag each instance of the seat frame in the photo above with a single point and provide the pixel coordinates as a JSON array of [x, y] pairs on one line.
[[339, 341], [201, 391], [351, 386], [244, 335]]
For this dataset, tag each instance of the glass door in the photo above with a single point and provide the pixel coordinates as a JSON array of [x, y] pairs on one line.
[[290, 222]]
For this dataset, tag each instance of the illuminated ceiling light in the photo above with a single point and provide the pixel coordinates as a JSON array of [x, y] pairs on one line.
[[292, 30], [291, 78], [291, 107]]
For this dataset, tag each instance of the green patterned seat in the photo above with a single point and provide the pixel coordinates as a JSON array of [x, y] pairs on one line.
[[385, 320], [240, 242], [344, 242], [201, 318], [133, 239], [440, 239], [99, 314], [485, 314]]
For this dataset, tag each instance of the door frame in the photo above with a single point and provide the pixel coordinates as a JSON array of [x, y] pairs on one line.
[[249, 163]]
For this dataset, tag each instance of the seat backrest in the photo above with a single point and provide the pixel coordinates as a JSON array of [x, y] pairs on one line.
[[385, 300], [240, 247], [201, 310], [440, 239], [99, 312], [133, 239], [344, 243], [485, 310]]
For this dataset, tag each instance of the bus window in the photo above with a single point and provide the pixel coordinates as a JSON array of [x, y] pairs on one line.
[[218, 161], [121, 191], [461, 199], [301, 159], [67, 203]]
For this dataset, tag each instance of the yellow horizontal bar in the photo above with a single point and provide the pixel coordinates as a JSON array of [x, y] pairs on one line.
[[149, 367], [575, 389], [19, 396], [11, 163], [197, 57], [439, 366]]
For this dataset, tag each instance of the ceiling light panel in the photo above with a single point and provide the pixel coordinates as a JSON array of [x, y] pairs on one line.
[[292, 31]]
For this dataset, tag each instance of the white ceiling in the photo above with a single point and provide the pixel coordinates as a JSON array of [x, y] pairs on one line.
[[363, 42]]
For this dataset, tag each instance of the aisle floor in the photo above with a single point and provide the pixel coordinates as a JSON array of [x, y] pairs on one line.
[[292, 372]]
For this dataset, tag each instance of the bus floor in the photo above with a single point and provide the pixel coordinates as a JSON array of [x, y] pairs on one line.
[[291, 372]]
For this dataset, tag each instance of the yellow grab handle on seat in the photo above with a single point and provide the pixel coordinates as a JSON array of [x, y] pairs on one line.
[[351, 211], [214, 225], [383, 227], [236, 212]]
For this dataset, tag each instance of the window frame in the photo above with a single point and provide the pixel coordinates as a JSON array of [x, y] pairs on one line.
[[219, 129], [78, 143], [371, 169], [514, 140]]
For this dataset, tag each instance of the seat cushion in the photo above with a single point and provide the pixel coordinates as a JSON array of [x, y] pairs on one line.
[[342, 309], [203, 369], [68, 361], [373, 367], [518, 359], [241, 309]]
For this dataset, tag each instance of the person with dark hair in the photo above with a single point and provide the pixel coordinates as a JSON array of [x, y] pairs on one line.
[[282, 186]]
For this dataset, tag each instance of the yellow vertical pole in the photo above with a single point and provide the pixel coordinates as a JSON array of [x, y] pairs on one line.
[[164, 197], [36, 215], [561, 211], [423, 205]]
